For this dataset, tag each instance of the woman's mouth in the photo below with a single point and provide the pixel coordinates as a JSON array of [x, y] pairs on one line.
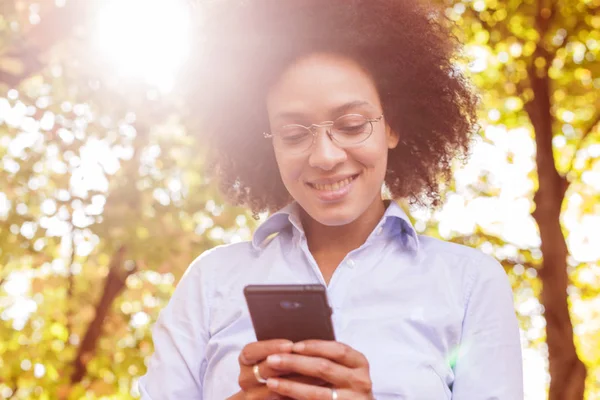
[[333, 191]]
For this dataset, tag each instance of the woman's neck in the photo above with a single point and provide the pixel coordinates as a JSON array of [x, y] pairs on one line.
[[338, 240]]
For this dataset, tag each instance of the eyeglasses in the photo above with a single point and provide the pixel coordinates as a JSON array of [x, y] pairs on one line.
[[346, 131]]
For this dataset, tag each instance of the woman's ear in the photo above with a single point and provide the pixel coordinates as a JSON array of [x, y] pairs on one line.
[[392, 137]]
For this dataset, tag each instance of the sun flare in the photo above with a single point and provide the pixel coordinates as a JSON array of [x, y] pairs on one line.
[[144, 39]]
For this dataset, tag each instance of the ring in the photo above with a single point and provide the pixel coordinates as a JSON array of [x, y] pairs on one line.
[[259, 378], [334, 395]]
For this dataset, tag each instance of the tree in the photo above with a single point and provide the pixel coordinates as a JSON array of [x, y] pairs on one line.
[[104, 204], [542, 57]]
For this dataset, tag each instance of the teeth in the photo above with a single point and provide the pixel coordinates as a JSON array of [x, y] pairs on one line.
[[334, 186]]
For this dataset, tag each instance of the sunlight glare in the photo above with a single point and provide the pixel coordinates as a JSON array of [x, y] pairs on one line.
[[479, 56], [147, 39]]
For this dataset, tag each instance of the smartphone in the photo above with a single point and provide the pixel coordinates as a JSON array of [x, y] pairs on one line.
[[293, 312]]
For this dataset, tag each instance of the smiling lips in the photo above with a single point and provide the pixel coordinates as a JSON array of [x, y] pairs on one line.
[[334, 190], [333, 186]]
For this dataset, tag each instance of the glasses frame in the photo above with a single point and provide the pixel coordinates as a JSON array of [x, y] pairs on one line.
[[327, 124]]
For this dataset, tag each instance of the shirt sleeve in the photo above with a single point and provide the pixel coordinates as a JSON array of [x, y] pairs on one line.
[[180, 336], [489, 361]]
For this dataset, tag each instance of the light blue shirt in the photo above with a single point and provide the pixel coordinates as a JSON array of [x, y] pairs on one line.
[[435, 319]]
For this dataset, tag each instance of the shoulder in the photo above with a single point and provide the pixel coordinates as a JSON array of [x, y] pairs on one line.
[[224, 252], [444, 248], [471, 266], [457, 254], [214, 261]]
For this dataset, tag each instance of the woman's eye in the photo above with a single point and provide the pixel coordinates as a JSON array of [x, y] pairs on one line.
[[349, 129], [293, 134]]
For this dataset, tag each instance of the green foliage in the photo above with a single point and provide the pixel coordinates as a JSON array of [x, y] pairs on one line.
[[90, 169], [102, 188]]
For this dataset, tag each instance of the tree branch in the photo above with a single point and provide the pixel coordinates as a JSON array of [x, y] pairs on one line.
[[586, 133], [543, 18]]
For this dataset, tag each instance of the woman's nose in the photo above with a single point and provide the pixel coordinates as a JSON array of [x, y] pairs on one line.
[[325, 153]]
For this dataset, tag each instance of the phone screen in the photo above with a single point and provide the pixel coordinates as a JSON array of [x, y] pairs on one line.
[[293, 312]]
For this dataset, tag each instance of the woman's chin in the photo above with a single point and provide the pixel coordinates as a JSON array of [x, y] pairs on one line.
[[333, 215]]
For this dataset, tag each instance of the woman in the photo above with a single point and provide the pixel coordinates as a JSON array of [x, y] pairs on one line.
[[312, 107]]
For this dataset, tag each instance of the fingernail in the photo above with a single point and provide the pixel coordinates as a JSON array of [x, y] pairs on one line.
[[272, 383], [298, 346], [287, 346], [273, 359]]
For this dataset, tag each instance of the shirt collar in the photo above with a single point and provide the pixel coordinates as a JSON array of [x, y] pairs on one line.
[[394, 222]]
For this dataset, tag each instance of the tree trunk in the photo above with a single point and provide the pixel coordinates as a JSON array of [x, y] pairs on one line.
[[113, 286], [567, 372]]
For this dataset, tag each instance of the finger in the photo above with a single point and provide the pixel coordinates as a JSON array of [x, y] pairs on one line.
[[317, 367], [258, 351], [310, 380], [332, 350], [299, 391], [247, 379]]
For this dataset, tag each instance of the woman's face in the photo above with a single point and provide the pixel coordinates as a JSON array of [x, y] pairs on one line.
[[334, 185]]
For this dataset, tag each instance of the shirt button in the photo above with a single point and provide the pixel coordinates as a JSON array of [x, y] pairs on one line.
[[350, 263], [379, 230]]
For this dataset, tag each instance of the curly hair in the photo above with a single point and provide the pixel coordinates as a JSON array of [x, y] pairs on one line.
[[405, 45]]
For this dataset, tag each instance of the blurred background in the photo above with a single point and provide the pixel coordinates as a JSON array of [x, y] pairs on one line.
[[104, 200]]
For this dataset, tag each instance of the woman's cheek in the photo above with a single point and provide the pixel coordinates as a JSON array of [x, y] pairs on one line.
[[290, 171]]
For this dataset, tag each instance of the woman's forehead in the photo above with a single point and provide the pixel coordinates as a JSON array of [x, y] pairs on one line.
[[322, 82], [322, 70], [299, 110]]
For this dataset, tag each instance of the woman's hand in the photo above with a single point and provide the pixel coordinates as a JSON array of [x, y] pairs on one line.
[[255, 354], [345, 369]]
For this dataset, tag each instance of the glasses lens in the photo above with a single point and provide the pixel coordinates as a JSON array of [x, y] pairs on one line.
[[294, 139], [351, 129]]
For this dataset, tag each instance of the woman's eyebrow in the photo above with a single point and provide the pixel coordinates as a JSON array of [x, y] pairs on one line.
[[349, 106], [287, 115]]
